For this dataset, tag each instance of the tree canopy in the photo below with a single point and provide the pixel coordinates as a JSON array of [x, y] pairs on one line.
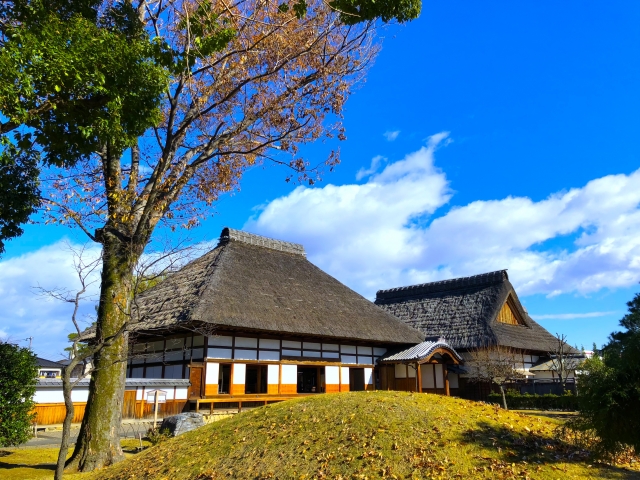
[[609, 388], [72, 76], [18, 374]]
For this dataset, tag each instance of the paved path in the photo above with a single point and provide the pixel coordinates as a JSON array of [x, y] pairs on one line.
[[52, 438]]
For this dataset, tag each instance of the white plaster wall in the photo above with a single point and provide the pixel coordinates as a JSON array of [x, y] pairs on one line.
[[239, 373], [401, 370], [78, 394], [48, 395], [273, 372], [211, 375], [181, 393], [345, 375], [332, 375], [139, 392], [368, 376], [289, 374], [54, 395], [453, 380]]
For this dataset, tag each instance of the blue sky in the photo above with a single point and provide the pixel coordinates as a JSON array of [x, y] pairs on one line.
[[487, 135]]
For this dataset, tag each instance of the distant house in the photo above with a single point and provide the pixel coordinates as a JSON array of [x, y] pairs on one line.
[[48, 369], [473, 312]]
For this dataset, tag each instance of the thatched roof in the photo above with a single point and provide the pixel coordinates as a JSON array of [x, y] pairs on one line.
[[464, 311], [254, 283]]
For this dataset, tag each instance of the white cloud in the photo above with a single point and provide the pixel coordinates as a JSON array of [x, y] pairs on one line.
[[25, 313], [375, 165], [573, 316], [377, 234], [391, 135]]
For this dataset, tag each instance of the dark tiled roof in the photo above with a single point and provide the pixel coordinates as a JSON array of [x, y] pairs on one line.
[[250, 282], [44, 363], [464, 311], [130, 382]]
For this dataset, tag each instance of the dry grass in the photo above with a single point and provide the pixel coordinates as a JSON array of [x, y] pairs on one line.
[[355, 435], [368, 435], [39, 463]]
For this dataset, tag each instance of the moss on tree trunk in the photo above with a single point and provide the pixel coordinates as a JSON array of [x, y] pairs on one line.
[[98, 443]]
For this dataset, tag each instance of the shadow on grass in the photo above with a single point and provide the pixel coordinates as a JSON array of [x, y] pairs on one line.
[[534, 449], [41, 466]]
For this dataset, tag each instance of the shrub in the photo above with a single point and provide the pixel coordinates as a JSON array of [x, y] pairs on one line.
[[18, 370], [156, 436], [526, 401]]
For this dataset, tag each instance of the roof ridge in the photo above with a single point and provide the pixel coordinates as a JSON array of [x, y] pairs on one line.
[[230, 234], [489, 278]]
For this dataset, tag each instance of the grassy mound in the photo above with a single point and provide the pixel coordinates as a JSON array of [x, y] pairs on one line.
[[367, 435]]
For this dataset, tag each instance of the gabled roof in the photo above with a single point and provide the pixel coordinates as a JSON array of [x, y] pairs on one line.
[[44, 363], [421, 352], [464, 311], [256, 283]]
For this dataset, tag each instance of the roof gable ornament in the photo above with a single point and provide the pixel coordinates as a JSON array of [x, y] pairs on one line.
[[229, 234], [509, 313]]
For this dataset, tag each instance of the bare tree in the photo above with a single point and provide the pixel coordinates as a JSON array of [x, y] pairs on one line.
[[496, 365], [563, 360]]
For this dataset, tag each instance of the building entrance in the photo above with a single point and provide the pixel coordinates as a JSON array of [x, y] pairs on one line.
[[308, 380]]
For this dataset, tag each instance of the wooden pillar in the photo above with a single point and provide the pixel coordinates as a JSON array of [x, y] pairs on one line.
[[419, 374], [445, 372], [279, 378]]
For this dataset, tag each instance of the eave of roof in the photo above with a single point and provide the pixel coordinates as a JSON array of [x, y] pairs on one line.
[[129, 382]]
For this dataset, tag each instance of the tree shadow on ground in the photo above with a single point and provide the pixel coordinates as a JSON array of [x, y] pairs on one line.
[[530, 450], [41, 466]]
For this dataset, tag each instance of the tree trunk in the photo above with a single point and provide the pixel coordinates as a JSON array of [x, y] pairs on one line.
[[504, 398], [98, 442], [66, 425]]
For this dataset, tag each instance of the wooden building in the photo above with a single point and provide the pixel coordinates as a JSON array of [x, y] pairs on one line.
[[421, 368], [472, 312], [50, 407], [254, 321]]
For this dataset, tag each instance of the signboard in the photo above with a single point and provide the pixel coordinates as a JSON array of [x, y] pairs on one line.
[[162, 396]]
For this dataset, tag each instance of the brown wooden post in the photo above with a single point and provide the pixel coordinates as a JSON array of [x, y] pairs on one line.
[[445, 372], [419, 374]]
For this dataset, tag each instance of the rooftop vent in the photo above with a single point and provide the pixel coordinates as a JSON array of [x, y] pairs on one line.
[[229, 234]]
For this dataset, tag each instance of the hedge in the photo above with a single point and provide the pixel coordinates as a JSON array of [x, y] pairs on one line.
[[526, 401]]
